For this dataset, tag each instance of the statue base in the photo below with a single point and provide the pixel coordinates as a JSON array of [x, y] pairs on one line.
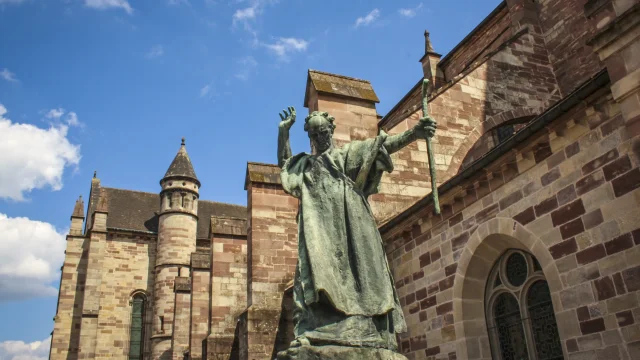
[[332, 352]]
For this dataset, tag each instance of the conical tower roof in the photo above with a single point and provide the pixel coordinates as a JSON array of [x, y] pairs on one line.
[[181, 166]]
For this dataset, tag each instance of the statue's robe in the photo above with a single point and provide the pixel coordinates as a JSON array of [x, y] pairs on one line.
[[343, 289]]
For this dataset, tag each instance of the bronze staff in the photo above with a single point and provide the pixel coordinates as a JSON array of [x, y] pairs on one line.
[[432, 170]]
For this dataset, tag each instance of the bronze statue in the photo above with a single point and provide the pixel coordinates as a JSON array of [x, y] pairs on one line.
[[343, 288]]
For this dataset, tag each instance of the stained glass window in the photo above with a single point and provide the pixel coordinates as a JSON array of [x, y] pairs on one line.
[[516, 269], [136, 338], [543, 322], [508, 328], [521, 327]]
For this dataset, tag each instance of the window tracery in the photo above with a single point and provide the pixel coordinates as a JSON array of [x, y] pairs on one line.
[[520, 317]]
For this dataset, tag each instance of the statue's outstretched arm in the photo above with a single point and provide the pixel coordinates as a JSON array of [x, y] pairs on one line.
[[426, 127], [286, 121]]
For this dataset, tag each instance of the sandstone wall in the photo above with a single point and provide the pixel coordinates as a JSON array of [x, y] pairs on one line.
[[566, 32], [66, 333], [486, 38], [271, 262], [515, 81], [127, 268], [200, 302], [228, 293], [571, 199], [176, 243]]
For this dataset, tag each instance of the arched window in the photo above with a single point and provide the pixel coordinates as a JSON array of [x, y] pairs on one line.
[[493, 138], [520, 317], [136, 333]]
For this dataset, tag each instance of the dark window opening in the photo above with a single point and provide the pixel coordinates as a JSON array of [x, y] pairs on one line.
[[136, 334]]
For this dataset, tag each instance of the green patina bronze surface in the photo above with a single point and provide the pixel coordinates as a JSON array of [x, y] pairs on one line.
[[432, 163], [343, 288]]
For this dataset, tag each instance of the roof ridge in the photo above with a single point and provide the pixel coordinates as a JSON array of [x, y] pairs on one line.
[[156, 194], [339, 76], [222, 202]]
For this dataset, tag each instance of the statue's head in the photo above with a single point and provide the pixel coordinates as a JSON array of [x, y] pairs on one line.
[[319, 125]]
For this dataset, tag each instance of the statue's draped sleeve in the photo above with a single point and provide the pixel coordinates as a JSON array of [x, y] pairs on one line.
[[341, 259]]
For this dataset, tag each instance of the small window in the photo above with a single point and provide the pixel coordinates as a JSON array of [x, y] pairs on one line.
[[136, 337]]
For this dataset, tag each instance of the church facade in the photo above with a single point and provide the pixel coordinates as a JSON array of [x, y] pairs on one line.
[[535, 254]]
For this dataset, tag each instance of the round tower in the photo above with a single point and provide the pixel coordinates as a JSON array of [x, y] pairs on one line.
[[177, 224]]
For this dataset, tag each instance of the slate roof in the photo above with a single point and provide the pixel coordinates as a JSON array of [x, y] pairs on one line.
[[340, 85], [137, 211], [181, 165]]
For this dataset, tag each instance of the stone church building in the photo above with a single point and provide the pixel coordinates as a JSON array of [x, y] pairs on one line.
[[535, 254]]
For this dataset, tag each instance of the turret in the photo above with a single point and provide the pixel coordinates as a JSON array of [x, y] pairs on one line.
[[177, 225], [180, 186], [77, 217]]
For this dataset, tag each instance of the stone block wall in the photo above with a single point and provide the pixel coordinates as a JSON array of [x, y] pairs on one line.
[[228, 289], [566, 31], [570, 197], [176, 242], [182, 318], [489, 35], [128, 267], [200, 302], [515, 81], [65, 342], [356, 119], [272, 257]]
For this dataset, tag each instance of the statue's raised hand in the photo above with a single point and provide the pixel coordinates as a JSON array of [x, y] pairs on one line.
[[287, 119], [426, 127]]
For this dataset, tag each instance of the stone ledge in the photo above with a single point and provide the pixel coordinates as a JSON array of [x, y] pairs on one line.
[[262, 173], [308, 352]]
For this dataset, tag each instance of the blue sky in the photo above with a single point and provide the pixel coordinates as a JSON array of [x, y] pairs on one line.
[[112, 86]]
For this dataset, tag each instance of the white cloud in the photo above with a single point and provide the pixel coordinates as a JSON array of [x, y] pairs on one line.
[[55, 113], [107, 4], [409, 12], [368, 19], [34, 158], [31, 253], [8, 75], [19, 350], [155, 52], [252, 11], [70, 119], [205, 90], [245, 14], [247, 64], [284, 46]]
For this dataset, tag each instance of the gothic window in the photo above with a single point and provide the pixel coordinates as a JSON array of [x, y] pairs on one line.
[[136, 333], [520, 318]]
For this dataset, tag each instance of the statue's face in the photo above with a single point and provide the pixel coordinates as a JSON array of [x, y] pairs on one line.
[[320, 133]]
